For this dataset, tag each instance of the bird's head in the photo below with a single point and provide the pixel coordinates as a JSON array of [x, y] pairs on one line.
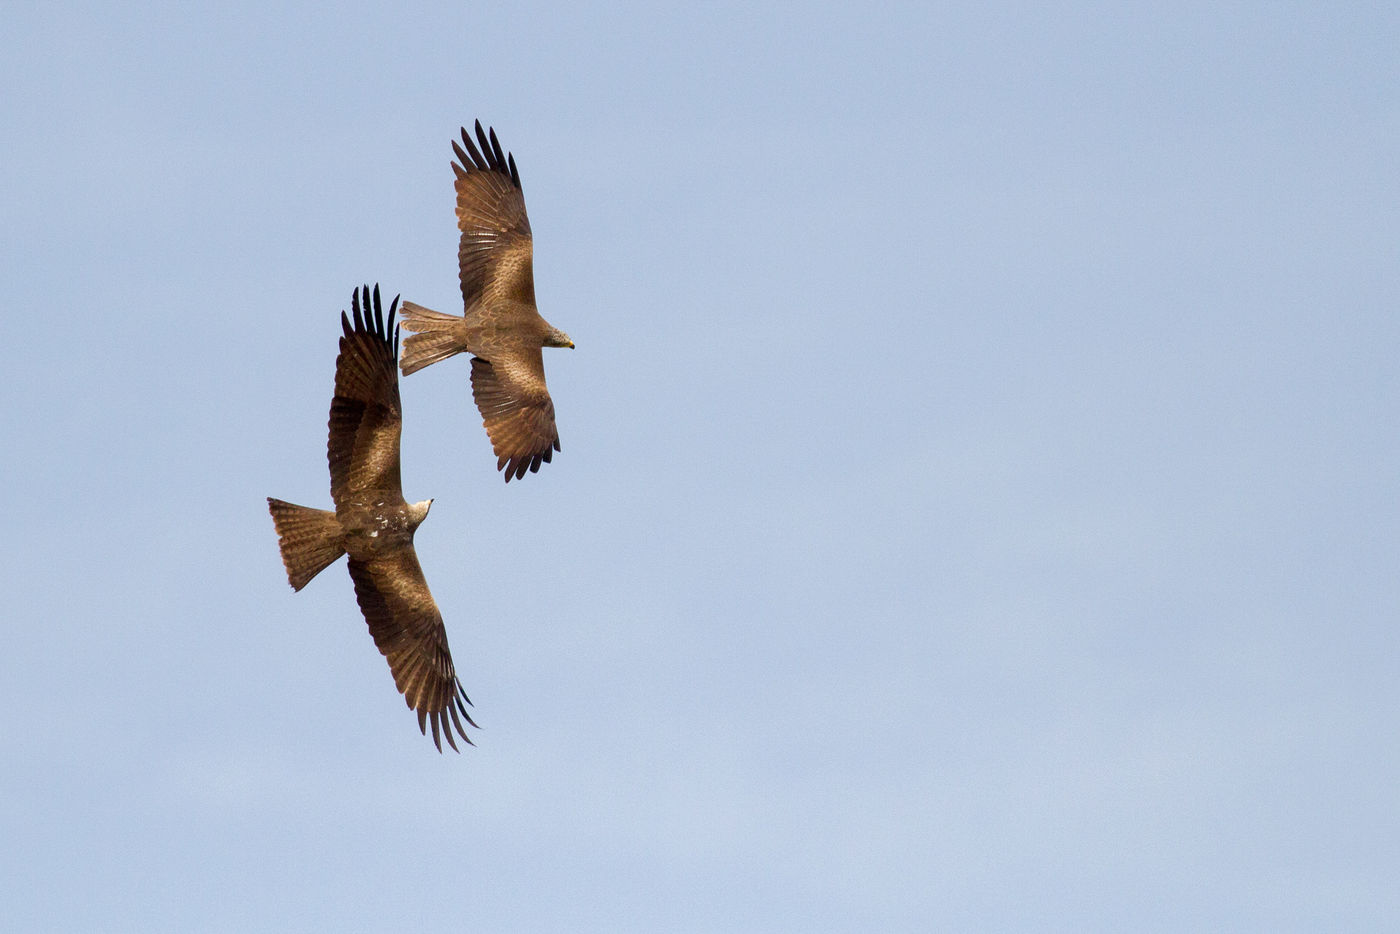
[[418, 512], [557, 338]]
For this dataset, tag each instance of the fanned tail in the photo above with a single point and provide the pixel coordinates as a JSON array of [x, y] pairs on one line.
[[310, 539], [436, 337]]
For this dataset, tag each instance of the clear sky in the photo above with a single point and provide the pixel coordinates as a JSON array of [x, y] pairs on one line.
[[978, 499]]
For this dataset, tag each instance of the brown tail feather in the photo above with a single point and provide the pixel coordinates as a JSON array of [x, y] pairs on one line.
[[310, 539], [436, 337]]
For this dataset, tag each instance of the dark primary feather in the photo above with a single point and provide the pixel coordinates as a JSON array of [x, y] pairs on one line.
[[492, 161], [499, 163]]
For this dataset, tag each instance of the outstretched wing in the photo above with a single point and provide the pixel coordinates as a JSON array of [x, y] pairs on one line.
[[516, 409], [407, 628], [495, 255], [366, 420]]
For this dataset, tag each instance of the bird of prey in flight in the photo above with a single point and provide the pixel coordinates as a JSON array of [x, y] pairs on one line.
[[501, 328], [373, 524]]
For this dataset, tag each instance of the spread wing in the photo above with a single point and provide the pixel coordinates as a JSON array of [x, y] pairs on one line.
[[407, 628], [366, 420], [516, 409], [495, 255]]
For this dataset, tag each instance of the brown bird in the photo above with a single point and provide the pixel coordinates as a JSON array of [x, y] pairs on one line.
[[502, 328], [374, 525]]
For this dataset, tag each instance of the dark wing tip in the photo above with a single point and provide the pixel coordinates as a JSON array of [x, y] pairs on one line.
[[499, 163], [443, 727], [517, 466], [485, 144], [356, 313], [483, 155], [391, 340], [367, 308], [472, 158]]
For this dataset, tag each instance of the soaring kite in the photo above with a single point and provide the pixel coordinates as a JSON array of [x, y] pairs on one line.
[[374, 525], [502, 328]]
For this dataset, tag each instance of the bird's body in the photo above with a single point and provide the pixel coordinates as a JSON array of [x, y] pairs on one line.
[[373, 525], [501, 327]]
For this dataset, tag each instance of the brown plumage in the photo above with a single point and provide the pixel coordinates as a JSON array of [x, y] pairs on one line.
[[501, 327], [374, 525]]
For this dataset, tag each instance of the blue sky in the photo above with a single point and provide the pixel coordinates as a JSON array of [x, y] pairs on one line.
[[977, 505]]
